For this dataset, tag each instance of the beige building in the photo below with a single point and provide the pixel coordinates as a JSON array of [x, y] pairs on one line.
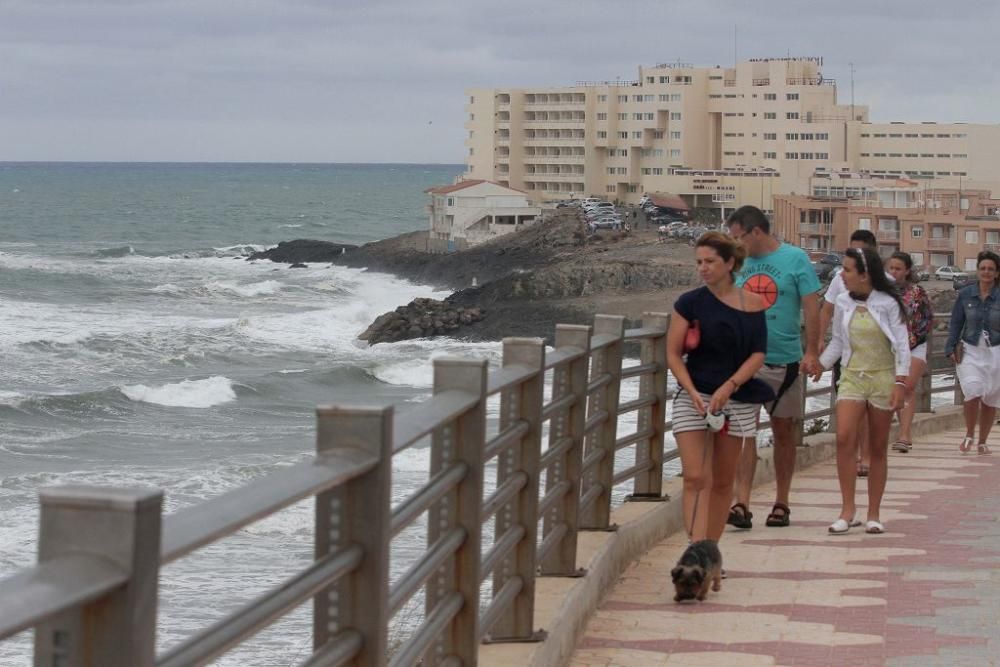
[[473, 211], [937, 227], [717, 136]]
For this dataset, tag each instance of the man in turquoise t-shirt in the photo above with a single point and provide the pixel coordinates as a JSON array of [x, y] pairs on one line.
[[783, 275]]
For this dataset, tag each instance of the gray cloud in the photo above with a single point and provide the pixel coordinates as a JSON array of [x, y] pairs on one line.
[[384, 80]]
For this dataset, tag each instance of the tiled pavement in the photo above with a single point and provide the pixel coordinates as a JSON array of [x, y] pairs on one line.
[[927, 592]]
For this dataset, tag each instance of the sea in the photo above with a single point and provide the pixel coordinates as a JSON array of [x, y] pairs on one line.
[[139, 347]]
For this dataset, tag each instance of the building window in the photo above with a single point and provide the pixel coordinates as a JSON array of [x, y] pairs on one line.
[[637, 116], [770, 156], [675, 115], [622, 170], [602, 98], [637, 98], [649, 116], [791, 156], [822, 156], [601, 134], [675, 97], [822, 136], [602, 116], [972, 236], [917, 231], [657, 134], [623, 98], [610, 189], [770, 97], [472, 151], [633, 188], [791, 136], [675, 152], [637, 134], [792, 115], [623, 116], [451, 201], [770, 136], [664, 98], [865, 223], [791, 96], [664, 79], [674, 134], [770, 115], [650, 79], [623, 135]]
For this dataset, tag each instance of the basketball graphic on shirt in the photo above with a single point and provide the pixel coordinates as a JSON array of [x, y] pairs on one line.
[[764, 285]]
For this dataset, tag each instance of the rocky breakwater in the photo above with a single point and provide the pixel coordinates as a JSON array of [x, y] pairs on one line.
[[520, 284], [421, 318]]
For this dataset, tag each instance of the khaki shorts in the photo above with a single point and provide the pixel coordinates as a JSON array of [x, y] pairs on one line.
[[874, 387], [790, 404]]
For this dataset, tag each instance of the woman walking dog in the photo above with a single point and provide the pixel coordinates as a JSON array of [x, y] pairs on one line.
[[716, 381]]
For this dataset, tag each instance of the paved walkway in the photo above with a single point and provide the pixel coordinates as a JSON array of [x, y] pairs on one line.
[[927, 592]]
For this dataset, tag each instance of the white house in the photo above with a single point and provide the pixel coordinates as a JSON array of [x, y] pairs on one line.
[[470, 212]]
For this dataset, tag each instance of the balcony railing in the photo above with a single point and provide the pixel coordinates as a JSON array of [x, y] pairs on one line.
[[887, 235], [93, 596], [941, 244], [815, 228], [761, 82]]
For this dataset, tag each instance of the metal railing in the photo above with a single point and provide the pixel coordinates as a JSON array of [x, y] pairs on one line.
[[92, 597]]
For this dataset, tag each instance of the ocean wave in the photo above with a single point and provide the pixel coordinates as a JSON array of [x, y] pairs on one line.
[[289, 226], [221, 287], [205, 393], [119, 251], [12, 398]]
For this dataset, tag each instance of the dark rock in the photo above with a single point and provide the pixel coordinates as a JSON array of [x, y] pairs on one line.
[[303, 250], [299, 265]]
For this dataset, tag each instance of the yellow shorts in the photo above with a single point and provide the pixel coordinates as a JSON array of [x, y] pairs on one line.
[[875, 387]]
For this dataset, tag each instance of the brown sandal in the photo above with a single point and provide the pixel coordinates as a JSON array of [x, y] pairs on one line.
[[776, 520], [740, 516]]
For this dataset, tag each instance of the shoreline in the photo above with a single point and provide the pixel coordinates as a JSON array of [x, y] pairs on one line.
[[525, 283]]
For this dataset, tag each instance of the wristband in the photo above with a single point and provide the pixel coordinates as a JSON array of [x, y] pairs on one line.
[[736, 387]]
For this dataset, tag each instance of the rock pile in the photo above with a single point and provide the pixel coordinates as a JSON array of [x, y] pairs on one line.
[[421, 318]]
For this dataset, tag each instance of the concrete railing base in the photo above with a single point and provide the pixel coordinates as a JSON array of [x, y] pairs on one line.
[[564, 605]]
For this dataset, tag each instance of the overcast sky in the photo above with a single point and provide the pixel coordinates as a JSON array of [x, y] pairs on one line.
[[384, 80]]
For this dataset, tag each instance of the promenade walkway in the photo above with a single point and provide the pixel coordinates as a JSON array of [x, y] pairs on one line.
[[927, 592]]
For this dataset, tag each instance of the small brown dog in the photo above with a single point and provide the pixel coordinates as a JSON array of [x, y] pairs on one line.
[[699, 567]]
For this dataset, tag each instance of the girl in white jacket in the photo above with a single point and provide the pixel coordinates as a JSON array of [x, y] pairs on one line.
[[871, 340]]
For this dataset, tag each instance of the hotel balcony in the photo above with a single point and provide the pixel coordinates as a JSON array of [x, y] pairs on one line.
[[887, 235], [992, 247], [815, 228], [941, 244]]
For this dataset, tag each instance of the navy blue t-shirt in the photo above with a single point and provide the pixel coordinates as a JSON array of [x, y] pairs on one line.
[[728, 337]]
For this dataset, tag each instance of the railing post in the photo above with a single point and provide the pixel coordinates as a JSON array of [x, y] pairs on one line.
[[597, 514], [123, 526], [649, 484], [461, 440], [567, 379], [523, 403], [357, 512], [924, 384], [799, 423]]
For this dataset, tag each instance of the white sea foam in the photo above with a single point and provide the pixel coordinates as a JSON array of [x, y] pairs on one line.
[[246, 290], [205, 393], [11, 398]]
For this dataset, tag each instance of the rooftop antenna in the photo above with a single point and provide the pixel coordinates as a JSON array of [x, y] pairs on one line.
[[853, 117]]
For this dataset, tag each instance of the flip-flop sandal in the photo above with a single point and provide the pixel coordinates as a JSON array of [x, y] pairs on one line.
[[740, 516], [841, 526], [966, 445], [776, 520], [874, 528], [902, 446], [983, 449]]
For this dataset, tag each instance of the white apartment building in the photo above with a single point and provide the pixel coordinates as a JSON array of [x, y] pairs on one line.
[[473, 211], [717, 136]]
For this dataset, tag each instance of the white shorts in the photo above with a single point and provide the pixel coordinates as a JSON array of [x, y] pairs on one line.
[[742, 416], [979, 373], [919, 352]]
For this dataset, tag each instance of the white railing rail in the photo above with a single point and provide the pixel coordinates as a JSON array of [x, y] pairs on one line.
[[92, 597]]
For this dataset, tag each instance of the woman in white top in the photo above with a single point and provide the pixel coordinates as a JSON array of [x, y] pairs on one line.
[[872, 343]]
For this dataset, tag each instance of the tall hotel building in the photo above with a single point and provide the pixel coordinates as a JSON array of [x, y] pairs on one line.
[[722, 137], [764, 127]]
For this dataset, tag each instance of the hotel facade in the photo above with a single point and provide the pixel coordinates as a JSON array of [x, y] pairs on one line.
[[722, 137]]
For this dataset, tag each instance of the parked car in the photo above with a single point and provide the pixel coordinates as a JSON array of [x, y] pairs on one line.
[[921, 273], [948, 272], [825, 264], [960, 280]]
